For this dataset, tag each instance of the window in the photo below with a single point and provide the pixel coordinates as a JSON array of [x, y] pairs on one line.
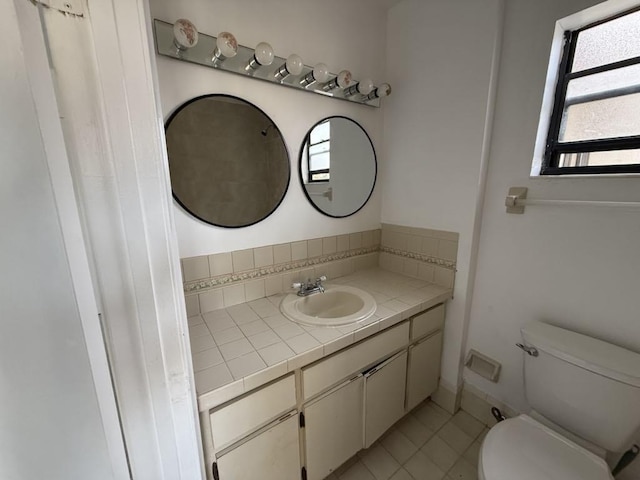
[[595, 123], [319, 153]]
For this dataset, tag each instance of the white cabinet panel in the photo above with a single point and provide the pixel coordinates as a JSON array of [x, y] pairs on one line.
[[332, 370], [384, 396], [424, 369], [333, 428], [232, 422], [274, 454]]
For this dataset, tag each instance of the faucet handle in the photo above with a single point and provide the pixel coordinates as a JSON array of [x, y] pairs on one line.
[[297, 285], [322, 278]]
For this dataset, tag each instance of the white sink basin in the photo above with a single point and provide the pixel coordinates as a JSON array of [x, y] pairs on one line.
[[338, 305]]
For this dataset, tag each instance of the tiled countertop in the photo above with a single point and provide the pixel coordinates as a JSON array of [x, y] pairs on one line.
[[239, 348]]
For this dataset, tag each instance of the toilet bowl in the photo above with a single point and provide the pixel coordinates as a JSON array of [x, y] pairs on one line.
[[587, 387], [521, 448]]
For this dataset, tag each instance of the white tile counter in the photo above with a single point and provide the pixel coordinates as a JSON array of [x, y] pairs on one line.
[[240, 348]]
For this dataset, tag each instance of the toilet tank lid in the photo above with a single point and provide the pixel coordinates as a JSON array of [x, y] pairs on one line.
[[587, 352]]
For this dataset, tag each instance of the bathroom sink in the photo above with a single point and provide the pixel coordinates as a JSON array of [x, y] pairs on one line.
[[338, 305]]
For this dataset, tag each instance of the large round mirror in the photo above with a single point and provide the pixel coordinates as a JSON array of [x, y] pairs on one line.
[[337, 166], [228, 163]]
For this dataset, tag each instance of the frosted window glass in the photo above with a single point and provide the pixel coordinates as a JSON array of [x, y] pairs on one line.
[[608, 42]]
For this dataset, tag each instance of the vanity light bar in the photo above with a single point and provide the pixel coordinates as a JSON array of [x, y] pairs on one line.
[[182, 41]]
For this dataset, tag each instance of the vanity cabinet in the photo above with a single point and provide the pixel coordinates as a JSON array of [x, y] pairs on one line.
[[317, 418], [333, 428], [384, 396]]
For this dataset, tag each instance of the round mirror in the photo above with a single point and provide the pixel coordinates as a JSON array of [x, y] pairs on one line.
[[337, 166], [228, 162]]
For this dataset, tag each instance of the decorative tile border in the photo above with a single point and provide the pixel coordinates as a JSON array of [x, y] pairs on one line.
[[231, 278], [441, 262]]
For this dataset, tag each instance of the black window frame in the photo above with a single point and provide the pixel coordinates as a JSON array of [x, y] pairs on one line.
[[553, 148], [311, 172]]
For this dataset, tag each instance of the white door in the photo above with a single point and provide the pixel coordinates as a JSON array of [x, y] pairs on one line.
[[333, 428], [273, 454], [424, 369], [57, 410], [384, 392]]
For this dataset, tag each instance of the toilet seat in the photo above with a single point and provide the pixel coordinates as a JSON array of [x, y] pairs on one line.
[[524, 449]]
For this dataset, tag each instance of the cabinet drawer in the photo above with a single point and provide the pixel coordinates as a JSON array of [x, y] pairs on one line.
[[427, 322], [232, 422], [330, 371]]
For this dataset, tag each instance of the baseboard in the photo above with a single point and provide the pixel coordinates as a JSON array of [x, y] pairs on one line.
[[447, 398]]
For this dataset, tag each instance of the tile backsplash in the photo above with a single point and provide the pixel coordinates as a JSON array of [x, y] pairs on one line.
[[422, 253], [225, 279]]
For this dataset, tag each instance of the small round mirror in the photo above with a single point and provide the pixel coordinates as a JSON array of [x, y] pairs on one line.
[[337, 166], [228, 162]]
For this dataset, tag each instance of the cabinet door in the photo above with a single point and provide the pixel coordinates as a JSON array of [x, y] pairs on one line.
[[273, 454], [384, 396], [333, 428], [424, 369]]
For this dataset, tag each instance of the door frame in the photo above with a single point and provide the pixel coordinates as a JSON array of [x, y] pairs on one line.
[[138, 285]]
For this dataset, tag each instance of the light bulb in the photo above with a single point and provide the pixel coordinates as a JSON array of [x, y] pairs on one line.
[[293, 66], [262, 56], [384, 90], [364, 87], [320, 73], [185, 34], [226, 47], [343, 80]]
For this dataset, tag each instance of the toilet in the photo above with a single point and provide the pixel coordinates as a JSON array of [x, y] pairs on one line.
[[576, 384]]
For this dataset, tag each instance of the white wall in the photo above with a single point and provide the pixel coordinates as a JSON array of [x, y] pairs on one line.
[[50, 420], [439, 57], [575, 267], [340, 34]]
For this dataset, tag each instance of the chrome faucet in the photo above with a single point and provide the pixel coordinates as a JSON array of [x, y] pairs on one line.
[[309, 288]]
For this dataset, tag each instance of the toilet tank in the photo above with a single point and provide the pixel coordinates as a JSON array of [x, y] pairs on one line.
[[586, 385]]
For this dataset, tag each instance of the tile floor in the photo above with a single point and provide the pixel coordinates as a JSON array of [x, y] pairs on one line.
[[427, 444]]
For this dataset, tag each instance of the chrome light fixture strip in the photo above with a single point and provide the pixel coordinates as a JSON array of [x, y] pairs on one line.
[[201, 54]]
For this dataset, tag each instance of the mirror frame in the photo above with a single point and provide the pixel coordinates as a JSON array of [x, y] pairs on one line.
[[185, 104], [375, 165]]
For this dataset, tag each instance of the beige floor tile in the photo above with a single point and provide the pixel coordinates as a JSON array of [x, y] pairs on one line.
[[440, 453], [432, 416], [421, 468], [346, 466], [455, 438], [414, 430], [463, 470], [398, 445], [472, 454], [401, 474], [357, 472], [379, 462], [468, 424]]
